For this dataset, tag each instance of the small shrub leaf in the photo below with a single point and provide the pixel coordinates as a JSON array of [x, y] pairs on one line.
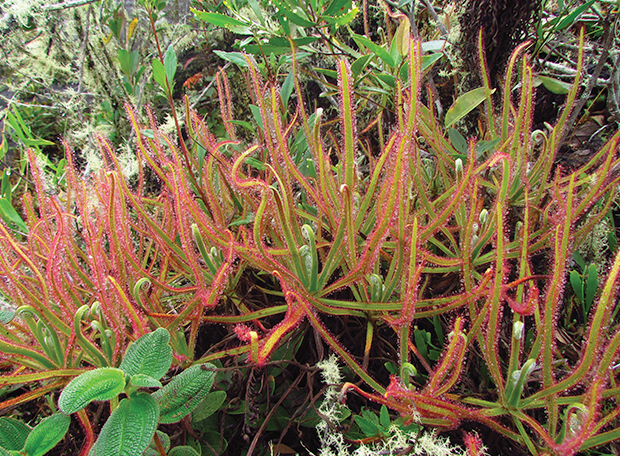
[[149, 355], [100, 384], [47, 434], [184, 393], [183, 451], [13, 433], [130, 428]]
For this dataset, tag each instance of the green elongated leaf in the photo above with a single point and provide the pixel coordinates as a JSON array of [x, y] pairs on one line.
[[130, 428], [170, 64], [292, 15], [220, 20], [10, 215], [183, 451], [184, 393], [281, 42], [428, 60], [124, 58], [375, 48], [209, 405], [577, 284], [458, 141], [554, 85], [464, 105], [4, 452], [100, 384], [47, 434], [337, 8], [572, 17], [145, 381], [149, 355], [384, 417], [342, 20], [234, 57], [358, 66], [266, 49], [257, 10], [367, 426], [287, 89], [591, 285], [13, 433], [159, 73]]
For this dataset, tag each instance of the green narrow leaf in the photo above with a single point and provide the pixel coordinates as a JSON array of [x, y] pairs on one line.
[[13, 433], [124, 58], [234, 57], [577, 284], [220, 20], [384, 417], [553, 85], [591, 286], [149, 355], [130, 428], [287, 89], [464, 105], [159, 73], [293, 15], [47, 434], [458, 141], [209, 405], [358, 66], [184, 392], [170, 64], [10, 215], [375, 48], [337, 8], [100, 384]]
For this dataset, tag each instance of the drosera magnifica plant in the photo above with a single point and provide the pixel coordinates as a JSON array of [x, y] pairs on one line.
[[107, 260]]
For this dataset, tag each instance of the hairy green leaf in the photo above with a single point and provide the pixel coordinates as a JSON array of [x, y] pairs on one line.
[[13, 433], [129, 429], [152, 448], [149, 355], [144, 381], [100, 384], [184, 392], [183, 451], [47, 434]]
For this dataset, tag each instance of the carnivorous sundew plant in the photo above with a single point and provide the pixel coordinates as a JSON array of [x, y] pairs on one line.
[[473, 236]]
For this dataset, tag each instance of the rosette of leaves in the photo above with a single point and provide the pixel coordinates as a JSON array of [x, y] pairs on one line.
[[132, 424]]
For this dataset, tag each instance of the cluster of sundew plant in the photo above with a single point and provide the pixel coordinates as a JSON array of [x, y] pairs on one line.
[[106, 261]]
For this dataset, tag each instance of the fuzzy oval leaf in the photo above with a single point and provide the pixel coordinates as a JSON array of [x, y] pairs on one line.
[[144, 381], [209, 406], [129, 429], [183, 451], [184, 392], [100, 384], [149, 355], [47, 434], [13, 433], [159, 73], [464, 105]]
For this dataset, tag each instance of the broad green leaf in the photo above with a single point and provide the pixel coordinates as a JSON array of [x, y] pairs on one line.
[[465, 104], [257, 117], [13, 433], [124, 58], [339, 21], [367, 426], [234, 57], [554, 85], [130, 428], [100, 384], [159, 73], [47, 434], [384, 417], [220, 20], [170, 64], [279, 41], [337, 8], [183, 451], [428, 60], [433, 46], [184, 393], [375, 48], [144, 381], [209, 405], [149, 355], [266, 49]]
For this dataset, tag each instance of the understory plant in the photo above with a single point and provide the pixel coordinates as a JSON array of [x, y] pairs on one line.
[[339, 227]]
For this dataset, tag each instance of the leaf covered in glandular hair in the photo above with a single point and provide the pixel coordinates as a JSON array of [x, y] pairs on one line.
[[129, 429], [47, 434], [184, 393], [100, 384], [149, 355], [13, 433]]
